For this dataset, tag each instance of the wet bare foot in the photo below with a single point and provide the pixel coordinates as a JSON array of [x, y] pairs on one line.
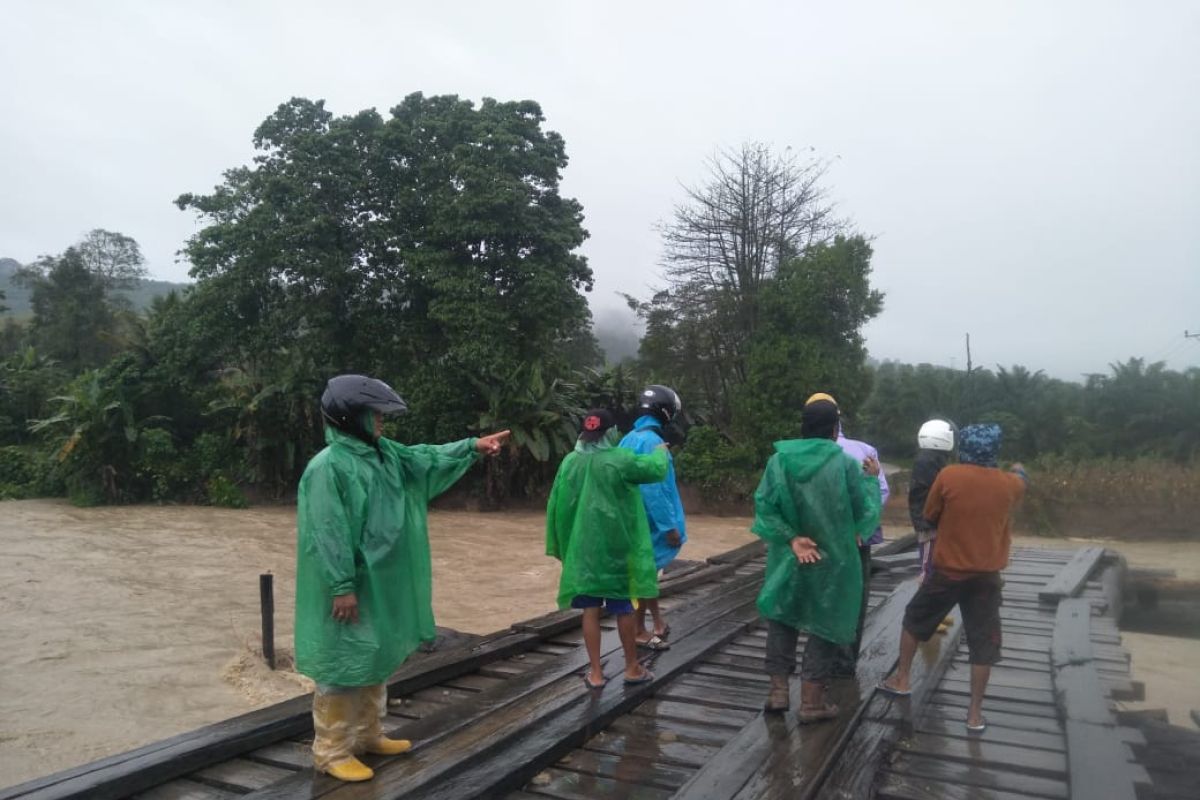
[[637, 675]]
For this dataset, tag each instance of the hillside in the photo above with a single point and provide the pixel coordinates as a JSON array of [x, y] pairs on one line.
[[17, 297]]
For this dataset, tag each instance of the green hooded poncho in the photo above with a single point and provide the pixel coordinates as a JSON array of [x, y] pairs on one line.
[[596, 522], [361, 525], [811, 488]]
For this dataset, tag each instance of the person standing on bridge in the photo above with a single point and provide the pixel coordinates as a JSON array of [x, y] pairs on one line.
[[363, 571], [971, 504], [812, 507], [658, 405], [847, 662], [935, 448], [596, 526]]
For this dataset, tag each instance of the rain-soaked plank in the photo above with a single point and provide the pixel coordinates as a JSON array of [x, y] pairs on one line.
[[577, 786], [1001, 779], [906, 787], [241, 775], [183, 789], [981, 750], [531, 737], [1098, 758], [774, 751], [634, 768], [1073, 575]]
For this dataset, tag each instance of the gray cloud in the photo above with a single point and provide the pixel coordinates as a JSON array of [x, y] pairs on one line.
[[1030, 172]]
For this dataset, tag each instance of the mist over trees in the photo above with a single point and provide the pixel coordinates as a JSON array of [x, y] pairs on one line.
[[431, 247]]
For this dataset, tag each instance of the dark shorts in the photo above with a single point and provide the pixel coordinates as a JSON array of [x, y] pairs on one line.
[[979, 598], [613, 606]]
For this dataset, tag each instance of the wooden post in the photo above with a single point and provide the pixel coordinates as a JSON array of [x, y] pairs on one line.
[[266, 595]]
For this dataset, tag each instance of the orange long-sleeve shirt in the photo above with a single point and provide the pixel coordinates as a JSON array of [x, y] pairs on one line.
[[972, 508]]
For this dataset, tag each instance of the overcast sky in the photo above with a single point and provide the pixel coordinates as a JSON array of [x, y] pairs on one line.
[[1030, 171]]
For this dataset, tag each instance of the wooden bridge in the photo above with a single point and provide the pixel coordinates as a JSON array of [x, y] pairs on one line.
[[508, 716]]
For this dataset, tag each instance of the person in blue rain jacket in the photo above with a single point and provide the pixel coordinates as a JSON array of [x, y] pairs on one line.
[[657, 406]]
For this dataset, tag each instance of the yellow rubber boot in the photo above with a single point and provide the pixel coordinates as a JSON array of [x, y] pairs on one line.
[[335, 718], [369, 734], [383, 746], [350, 770]]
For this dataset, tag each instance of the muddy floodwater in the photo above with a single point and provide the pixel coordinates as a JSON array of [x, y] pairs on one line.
[[125, 625]]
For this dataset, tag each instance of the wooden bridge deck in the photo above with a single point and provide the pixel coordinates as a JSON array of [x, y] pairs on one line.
[[509, 717]]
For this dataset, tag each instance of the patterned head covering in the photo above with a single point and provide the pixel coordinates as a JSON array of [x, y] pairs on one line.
[[979, 444]]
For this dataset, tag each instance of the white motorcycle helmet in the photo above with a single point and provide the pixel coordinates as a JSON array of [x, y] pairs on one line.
[[936, 434]]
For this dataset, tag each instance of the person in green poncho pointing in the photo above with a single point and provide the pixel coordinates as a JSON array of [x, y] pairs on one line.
[[813, 507], [596, 526], [363, 571]]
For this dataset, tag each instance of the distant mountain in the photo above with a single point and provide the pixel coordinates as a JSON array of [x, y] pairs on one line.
[[17, 297]]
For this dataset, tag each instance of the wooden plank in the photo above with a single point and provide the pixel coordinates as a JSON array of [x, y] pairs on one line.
[[240, 775], [1096, 755], [955, 715], [184, 789], [898, 545], [286, 754], [1005, 780], [740, 555], [640, 769], [749, 752], [955, 729], [852, 769], [145, 767], [514, 706], [718, 720], [675, 586], [527, 737], [664, 728], [981, 750], [635, 743], [569, 785], [906, 787], [1072, 576]]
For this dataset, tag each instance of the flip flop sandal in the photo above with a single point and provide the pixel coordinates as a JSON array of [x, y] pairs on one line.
[[591, 685], [666, 631], [883, 687], [809, 714], [980, 728], [647, 676], [654, 643]]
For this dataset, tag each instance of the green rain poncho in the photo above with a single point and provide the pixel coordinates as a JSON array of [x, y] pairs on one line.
[[811, 488], [361, 523], [596, 522]]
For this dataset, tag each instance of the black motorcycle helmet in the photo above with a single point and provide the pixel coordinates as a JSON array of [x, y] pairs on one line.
[[347, 396], [660, 402]]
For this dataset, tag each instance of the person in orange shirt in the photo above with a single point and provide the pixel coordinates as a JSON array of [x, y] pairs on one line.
[[971, 505]]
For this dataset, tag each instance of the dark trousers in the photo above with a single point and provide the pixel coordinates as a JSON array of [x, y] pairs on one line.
[[820, 655], [847, 656]]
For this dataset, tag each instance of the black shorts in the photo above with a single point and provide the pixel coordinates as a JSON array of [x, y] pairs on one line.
[[978, 597]]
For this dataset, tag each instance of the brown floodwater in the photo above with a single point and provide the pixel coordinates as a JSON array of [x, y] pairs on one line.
[[125, 625]]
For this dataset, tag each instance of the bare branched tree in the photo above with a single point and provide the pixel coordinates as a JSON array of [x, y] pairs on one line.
[[756, 208], [114, 258]]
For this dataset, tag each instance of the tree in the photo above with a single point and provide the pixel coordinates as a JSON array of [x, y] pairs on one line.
[[431, 248], [72, 322], [113, 258], [755, 211], [809, 338]]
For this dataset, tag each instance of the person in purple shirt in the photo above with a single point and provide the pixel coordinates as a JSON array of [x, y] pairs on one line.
[[860, 451]]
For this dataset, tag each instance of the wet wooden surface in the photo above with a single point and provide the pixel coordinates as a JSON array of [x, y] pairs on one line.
[[509, 716]]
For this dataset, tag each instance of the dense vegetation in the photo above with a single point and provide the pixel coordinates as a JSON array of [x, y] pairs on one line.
[[432, 248]]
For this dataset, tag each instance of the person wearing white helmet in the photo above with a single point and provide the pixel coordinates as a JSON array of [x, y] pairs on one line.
[[935, 441]]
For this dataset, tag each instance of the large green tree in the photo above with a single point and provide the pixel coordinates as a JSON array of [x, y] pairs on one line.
[[431, 247]]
